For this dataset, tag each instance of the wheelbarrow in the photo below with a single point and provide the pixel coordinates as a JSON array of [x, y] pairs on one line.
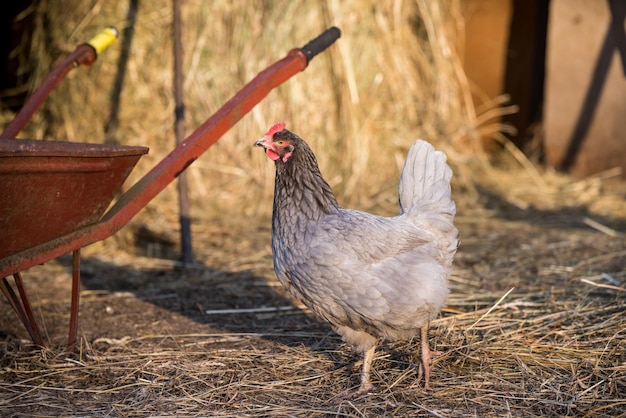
[[55, 194]]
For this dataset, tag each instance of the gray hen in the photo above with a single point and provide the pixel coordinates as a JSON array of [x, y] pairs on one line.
[[369, 276]]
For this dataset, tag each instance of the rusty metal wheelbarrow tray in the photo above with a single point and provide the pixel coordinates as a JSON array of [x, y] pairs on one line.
[[51, 188], [90, 226]]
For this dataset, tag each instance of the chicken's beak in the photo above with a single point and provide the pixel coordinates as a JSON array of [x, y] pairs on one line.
[[260, 143]]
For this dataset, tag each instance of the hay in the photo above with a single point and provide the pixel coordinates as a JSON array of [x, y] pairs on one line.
[[530, 330], [394, 76], [552, 346]]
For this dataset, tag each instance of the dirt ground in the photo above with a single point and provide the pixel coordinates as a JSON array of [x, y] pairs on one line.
[[532, 328]]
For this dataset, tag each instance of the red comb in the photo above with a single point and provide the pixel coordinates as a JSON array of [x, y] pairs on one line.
[[276, 128]]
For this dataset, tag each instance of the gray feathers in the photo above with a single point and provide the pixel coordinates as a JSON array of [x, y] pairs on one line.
[[365, 274]]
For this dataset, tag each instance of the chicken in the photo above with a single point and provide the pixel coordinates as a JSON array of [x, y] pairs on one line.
[[370, 277]]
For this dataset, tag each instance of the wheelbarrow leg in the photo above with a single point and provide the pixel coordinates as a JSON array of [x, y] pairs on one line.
[[25, 312], [23, 309], [27, 307], [71, 340]]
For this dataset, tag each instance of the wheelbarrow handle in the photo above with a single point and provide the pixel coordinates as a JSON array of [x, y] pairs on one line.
[[319, 44], [84, 54], [104, 39]]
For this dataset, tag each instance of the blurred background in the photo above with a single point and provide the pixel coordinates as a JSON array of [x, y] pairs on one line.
[[526, 97]]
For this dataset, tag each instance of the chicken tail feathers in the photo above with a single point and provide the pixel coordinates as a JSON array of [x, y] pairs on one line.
[[424, 188]]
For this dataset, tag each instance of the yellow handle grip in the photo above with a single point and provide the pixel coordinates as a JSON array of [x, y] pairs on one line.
[[103, 40]]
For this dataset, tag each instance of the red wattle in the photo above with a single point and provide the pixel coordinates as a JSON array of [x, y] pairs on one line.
[[272, 154]]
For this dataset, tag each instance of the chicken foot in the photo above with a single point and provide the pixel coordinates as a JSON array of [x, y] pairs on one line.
[[424, 370], [366, 383], [426, 357]]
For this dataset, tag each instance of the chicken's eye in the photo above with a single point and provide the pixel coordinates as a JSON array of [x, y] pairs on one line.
[[280, 142]]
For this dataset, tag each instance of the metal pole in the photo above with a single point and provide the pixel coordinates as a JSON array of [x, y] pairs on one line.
[[179, 127], [71, 339], [113, 121]]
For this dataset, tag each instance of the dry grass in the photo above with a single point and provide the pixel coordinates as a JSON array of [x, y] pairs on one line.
[[533, 327], [394, 76], [530, 330]]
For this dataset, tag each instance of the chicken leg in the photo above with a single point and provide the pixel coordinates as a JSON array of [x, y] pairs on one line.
[[426, 359], [366, 383]]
